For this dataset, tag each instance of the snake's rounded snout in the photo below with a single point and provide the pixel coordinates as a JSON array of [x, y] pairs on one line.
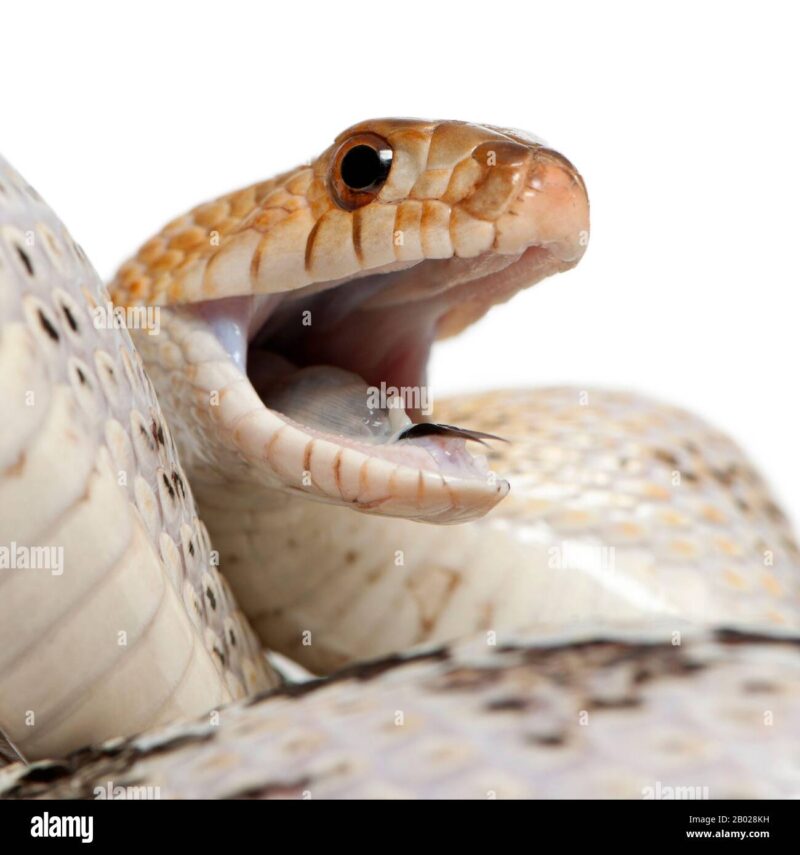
[[554, 203]]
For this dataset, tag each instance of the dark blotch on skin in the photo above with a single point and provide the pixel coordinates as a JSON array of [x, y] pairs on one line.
[[550, 740], [509, 704], [760, 687], [158, 432], [211, 598], [47, 772], [25, 259], [47, 326], [146, 436], [285, 790], [179, 486], [465, 678], [724, 476], [73, 324], [620, 703], [773, 512], [666, 457], [168, 485]]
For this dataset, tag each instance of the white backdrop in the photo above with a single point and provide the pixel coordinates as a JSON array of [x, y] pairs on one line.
[[683, 118]]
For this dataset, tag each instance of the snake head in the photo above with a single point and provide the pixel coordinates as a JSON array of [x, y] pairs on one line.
[[324, 289]]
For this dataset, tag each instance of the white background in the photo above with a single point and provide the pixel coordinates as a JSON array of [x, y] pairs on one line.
[[683, 118]]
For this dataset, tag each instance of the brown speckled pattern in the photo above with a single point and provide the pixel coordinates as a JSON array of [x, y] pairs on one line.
[[571, 656], [715, 716], [88, 465], [621, 509]]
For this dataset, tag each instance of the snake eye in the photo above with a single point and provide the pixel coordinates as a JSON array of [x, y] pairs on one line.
[[360, 168]]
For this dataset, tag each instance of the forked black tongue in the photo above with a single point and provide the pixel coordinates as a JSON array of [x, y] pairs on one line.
[[432, 429]]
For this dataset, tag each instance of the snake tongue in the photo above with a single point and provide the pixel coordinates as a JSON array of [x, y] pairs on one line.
[[432, 429]]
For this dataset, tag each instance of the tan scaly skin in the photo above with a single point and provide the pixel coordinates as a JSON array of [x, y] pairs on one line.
[[554, 717], [302, 268], [126, 623], [305, 271], [601, 525], [466, 217]]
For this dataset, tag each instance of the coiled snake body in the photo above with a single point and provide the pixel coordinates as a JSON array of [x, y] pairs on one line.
[[261, 392]]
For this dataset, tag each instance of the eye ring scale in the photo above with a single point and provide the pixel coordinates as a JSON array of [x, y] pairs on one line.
[[359, 169]]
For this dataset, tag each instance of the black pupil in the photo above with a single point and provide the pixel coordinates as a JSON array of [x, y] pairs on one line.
[[363, 167]]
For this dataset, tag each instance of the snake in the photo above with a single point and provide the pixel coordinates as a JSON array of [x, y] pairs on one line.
[[226, 465]]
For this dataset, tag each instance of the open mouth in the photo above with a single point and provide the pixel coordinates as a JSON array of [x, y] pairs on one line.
[[346, 363]]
